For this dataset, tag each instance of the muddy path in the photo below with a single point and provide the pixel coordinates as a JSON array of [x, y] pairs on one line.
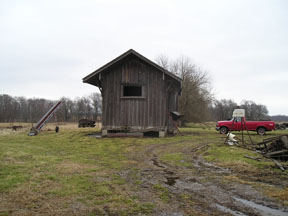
[[200, 188]]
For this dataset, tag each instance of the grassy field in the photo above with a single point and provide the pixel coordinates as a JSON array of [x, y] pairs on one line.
[[74, 173]]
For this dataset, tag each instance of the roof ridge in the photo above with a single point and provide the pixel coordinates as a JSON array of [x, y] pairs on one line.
[[125, 54]]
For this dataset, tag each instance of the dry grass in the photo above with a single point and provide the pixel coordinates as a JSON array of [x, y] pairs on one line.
[[280, 194], [67, 126], [6, 128], [71, 173], [68, 167], [5, 125], [238, 165]]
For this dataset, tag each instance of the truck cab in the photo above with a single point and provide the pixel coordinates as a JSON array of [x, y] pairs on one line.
[[239, 123]]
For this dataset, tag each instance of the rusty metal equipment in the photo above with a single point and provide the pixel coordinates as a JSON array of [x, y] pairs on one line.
[[281, 126], [36, 129], [275, 147], [174, 116], [86, 123]]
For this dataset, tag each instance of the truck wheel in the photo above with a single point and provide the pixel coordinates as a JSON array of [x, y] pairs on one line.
[[261, 131], [223, 130]]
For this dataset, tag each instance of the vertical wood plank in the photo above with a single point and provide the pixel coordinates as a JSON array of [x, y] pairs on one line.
[[143, 113]]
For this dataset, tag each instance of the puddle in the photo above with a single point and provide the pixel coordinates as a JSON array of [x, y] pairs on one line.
[[171, 180], [230, 211], [217, 169], [264, 210], [171, 214], [98, 135]]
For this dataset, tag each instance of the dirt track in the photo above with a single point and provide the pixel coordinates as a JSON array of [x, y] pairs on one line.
[[137, 176], [201, 189]]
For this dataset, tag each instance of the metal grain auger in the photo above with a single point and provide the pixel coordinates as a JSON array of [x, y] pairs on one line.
[[36, 129]]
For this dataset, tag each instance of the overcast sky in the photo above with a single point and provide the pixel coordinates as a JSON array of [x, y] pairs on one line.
[[47, 47]]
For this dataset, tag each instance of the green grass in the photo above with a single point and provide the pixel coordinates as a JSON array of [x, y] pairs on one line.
[[162, 192], [233, 156], [70, 165], [177, 159], [208, 125]]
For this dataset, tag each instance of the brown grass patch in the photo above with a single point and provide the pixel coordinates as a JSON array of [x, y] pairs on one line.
[[240, 166], [68, 126], [72, 168], [280, 194], [6, 128], [24, 201]]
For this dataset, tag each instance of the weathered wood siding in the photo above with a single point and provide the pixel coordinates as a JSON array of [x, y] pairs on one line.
[[149, 111]]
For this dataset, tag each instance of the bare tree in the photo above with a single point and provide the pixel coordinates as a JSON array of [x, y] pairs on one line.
[[163, 61], [222, 109], [9, 108], [23, 113], [96, 100], [83, 107], [32, 109], [254, 111], [196, 87], [65, 112]]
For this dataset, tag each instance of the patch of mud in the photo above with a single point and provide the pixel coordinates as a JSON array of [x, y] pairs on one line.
[[171, 180], [171, 214], [207, 185], [264, 210], [201, 164], [156, 163], [230, 211], [190, 186], [78, 208], [169, 172]]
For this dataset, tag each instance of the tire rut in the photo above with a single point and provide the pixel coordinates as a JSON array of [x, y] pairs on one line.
[[203, 182]]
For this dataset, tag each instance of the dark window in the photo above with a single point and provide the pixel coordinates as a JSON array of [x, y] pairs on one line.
[[237, 119], [132, 91]]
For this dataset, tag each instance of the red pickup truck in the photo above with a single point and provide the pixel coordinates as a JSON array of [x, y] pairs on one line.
[[259, 126]]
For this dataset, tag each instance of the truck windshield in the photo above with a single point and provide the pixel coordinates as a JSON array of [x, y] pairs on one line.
[[238, 119]]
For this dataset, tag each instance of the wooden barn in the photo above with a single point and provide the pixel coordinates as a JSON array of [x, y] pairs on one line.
[[138, 95]]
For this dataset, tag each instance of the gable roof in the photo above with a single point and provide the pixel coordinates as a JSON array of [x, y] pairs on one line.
[[131, 52]]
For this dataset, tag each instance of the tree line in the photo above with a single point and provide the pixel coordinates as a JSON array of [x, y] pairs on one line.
[[196, 107], [196, 102], [199, 109], [223, 109], [21, 109]]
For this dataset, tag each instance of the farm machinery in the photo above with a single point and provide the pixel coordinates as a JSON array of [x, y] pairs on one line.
[[36, 128], [86, 123]]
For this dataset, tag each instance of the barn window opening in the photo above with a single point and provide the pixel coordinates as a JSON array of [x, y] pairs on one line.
[[132, 91]]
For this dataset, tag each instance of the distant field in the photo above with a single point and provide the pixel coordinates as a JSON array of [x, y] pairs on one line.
[[6, 128], [74, 173]]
